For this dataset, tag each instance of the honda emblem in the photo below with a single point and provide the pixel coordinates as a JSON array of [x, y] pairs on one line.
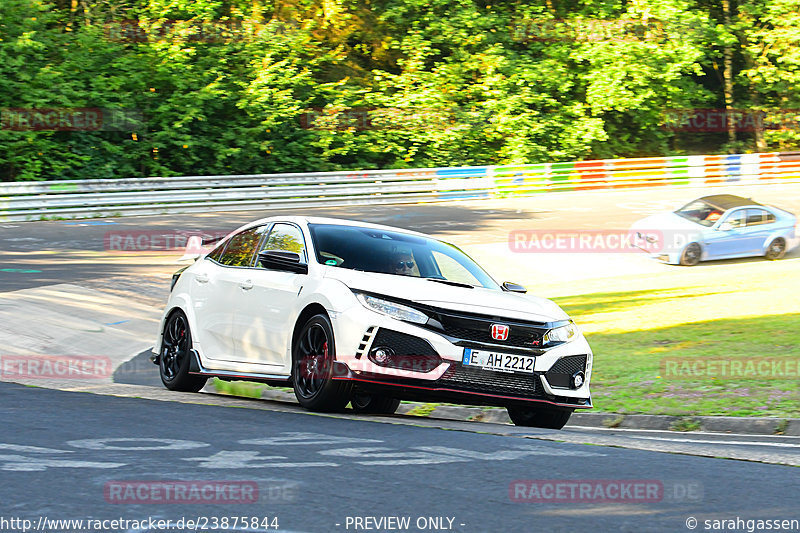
[[499, 332]]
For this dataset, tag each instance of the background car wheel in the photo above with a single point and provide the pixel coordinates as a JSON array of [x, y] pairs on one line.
[[539, 417], [375, 404], [174, 358], [691, 254], [313, 354], [776, 249]]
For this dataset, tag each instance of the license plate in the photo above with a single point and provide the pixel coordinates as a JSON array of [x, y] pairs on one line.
[[501, 362]]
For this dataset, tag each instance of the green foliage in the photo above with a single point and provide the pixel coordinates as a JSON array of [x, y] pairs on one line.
[[245, 86]]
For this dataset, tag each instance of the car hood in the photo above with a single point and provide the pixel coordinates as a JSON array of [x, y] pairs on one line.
[[668, 221], [672, 232], [476, 300]]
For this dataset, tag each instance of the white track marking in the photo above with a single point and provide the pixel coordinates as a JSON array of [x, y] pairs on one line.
[[160, 444], [295, 438], [246, 459]]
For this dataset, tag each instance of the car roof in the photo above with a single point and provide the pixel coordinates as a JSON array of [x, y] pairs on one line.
[[335, 221], [728, 201]]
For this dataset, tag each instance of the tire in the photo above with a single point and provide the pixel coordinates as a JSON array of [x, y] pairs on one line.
[[175, 356], [374, 404], [691, 254], [776, 249], [539, 417], [313, 354]]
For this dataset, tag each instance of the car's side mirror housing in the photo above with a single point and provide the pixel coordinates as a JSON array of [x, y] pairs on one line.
[[282, 260], [725, 226], [514, 287]]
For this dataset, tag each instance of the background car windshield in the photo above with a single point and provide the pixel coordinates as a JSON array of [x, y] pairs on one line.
[[700, 212], [388, 252]]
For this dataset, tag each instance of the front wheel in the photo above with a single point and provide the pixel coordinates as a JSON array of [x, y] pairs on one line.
[[313, 354], [776, 249], [539, 417], [175, 354], [691, 254], [374, 404]]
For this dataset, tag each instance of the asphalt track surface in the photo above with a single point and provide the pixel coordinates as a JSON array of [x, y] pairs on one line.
[[320, 473], [64, 251], [60, 451]]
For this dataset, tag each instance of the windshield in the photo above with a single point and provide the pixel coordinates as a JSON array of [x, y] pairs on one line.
[[389, 252], [700, 212]]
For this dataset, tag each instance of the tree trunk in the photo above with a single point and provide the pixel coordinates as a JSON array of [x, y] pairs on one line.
[[727, 77]]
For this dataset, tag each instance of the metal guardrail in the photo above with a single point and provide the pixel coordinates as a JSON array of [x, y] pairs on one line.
[[147, 196]]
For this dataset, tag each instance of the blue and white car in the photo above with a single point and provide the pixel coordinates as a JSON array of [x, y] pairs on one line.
[[722, 226]]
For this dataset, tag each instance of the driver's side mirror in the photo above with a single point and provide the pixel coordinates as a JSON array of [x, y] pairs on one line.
[[282, 260], [725, 226], [513, 287]]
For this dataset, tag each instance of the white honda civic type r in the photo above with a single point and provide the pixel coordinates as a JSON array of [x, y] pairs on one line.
[[350, 312]]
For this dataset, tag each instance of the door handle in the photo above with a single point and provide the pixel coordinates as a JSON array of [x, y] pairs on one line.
[[201, 278], [246, 285]]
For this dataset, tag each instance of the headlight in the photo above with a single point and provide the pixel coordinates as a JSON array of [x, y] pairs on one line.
[[394, 310], [561, 334]]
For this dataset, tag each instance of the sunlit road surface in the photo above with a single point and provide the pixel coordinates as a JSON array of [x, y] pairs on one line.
[[320, 473], [69, 251]]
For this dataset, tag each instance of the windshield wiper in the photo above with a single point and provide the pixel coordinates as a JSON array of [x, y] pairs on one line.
[[453, 283]]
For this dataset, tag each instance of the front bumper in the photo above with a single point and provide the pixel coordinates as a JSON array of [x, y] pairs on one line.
[[449, 379]]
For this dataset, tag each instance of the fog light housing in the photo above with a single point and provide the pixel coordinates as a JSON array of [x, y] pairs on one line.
[[381, 355], [578, 379]]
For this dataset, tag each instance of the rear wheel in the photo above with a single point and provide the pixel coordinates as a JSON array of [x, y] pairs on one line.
[[313, 355], [175, 354], [691, 254], [375, 404], [776, 249], [539, 417]]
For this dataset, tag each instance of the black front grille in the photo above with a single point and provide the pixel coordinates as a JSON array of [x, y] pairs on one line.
[[402, 343], [479, 329], [560, 374], [410, 353], [460, 377]]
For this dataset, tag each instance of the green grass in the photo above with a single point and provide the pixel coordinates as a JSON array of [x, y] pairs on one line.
[[246, 389], [424, 409], [732, 310], [627, 374]]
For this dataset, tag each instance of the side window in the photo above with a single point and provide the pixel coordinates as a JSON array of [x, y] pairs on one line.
[[241, 247], [758, 216], [287, 238], [736, 219]]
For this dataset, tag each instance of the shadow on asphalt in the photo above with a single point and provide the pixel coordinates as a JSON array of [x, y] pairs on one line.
[[138, 371]]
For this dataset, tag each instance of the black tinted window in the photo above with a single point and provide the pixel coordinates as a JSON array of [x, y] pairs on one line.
[[389, 252], [241, 247]]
